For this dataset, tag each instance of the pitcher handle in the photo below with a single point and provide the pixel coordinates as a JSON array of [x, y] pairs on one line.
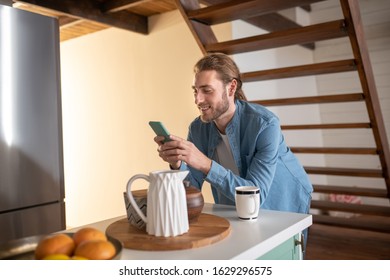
[[130, 195]]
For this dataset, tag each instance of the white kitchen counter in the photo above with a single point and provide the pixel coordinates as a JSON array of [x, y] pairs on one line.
[[247, 239]]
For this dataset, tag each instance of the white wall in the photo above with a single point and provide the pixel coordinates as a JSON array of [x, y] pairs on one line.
[[284, 88], [113, 83]]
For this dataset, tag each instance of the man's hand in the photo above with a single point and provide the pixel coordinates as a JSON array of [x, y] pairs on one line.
[[160, 142], [179, 150]]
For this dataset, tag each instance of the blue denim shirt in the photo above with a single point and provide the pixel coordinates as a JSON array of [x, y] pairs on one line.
[[261, 155]]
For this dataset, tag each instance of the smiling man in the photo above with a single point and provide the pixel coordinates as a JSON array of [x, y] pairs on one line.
[[236, 143]]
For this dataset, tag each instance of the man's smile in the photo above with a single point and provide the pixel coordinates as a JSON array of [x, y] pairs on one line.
[[204, 108]]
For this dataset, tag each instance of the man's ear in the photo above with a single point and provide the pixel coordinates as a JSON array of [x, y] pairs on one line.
[[232, 87]]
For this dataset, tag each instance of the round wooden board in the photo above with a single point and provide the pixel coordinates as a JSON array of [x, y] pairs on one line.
[[207, 230]]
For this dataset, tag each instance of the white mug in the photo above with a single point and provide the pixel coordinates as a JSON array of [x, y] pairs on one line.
[[247, 202]]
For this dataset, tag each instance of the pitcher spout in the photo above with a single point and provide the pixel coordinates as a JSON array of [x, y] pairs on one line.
[[183, 174]]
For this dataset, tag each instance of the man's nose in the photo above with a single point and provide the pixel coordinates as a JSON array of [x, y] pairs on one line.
[[199, 98]]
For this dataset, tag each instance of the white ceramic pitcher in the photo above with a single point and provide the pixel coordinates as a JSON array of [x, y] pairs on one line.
[[166, 212]]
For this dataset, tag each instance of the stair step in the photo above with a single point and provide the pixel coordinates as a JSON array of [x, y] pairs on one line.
[[241, 9], [361, 222], [351, 208], [323, 150], [357, 172], [296, 36], [301, 70], [358, 191], [276, 22], [326, 126], [335, 98]]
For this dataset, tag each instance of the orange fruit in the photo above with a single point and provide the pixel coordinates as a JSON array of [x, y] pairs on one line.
[[57, 257], [53, 245], [78, 258], [88, 233], [95, 250]]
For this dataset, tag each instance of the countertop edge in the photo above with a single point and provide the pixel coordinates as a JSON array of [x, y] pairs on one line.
[[277, 239]]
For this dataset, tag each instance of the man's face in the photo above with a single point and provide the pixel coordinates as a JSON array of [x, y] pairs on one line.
[[210, 96]]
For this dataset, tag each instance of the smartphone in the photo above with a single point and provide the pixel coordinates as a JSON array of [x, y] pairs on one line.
[[160, 130]]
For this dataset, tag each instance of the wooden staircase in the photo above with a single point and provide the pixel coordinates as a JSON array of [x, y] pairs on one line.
[[200, 20]]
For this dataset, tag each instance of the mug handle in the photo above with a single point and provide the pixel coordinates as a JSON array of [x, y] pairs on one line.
[[130, 195], [256, 206]]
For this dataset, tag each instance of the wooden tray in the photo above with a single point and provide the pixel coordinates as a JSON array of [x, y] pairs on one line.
[[207, 230]]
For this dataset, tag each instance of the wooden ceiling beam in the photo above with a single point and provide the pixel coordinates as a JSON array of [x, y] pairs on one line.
[[120, 5], [90, 10], [65, 21]]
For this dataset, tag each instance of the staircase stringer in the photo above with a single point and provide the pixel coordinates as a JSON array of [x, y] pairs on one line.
[[202, 33]]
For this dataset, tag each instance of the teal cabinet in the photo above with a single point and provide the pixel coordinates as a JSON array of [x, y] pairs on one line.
[[291, 249]]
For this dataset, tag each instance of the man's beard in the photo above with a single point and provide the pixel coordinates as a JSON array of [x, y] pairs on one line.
[[220, 109]]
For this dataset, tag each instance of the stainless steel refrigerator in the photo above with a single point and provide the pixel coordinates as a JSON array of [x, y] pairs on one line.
[[31, 159]]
